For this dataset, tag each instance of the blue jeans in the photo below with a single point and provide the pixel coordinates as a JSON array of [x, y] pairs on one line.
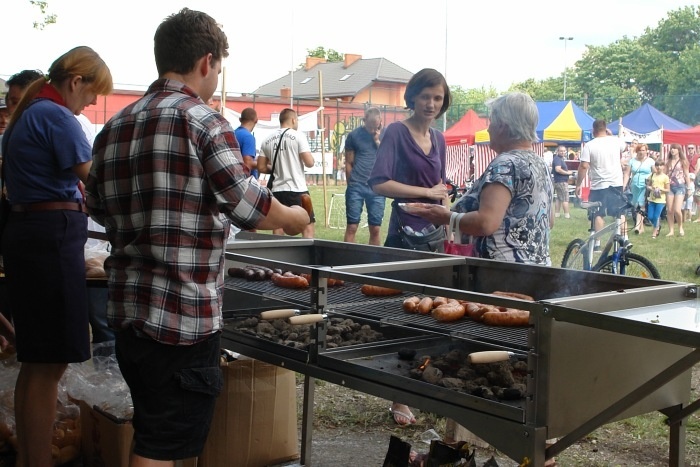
[[97, 312], [654, 212], [359, 193]]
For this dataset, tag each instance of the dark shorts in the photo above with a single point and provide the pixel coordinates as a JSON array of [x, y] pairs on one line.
[[293, 198], [174, 390], [612, 198], [359, 193], [45, 267]]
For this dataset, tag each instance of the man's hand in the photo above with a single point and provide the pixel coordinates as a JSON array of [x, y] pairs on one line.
[[297, 220]]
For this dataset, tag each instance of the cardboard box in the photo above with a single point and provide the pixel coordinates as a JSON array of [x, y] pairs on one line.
[[255, 421], [107, 440]]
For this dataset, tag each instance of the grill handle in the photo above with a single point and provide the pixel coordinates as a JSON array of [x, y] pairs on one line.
[[307, 319], [490, 356], [279, 314]]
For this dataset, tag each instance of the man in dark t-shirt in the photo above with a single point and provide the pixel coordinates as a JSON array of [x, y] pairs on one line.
[[360, 153], [561, 174]]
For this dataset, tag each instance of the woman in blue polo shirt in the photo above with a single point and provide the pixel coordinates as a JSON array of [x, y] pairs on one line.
[[45, 157]]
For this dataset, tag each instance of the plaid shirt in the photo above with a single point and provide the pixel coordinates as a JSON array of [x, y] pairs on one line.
[[165, 170]]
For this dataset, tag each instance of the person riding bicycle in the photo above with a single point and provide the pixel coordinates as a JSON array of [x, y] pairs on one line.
[[601, 158]]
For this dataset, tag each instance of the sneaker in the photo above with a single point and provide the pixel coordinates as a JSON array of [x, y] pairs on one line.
[[567, 216], [596, 248], [557, 214]]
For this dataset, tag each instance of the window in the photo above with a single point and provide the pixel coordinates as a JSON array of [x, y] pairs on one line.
[[345, 77], [306, 80]]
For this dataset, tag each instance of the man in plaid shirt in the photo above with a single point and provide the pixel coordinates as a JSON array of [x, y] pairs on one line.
[[165, 169]]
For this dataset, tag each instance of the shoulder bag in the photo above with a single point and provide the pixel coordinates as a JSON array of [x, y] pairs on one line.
[[271, 178], [433, 241]]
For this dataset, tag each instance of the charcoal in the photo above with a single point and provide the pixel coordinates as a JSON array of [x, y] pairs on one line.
[[406, 353], [452, 383], [432, 374]]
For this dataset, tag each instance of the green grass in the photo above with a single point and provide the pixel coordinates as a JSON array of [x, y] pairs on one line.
[[676, 258]]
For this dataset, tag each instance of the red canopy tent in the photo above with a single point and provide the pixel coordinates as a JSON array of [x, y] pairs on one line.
[[463, 131], [682, 137], [459, 139]]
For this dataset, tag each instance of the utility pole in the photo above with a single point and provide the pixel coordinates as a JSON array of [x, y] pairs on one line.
[[565, 39]]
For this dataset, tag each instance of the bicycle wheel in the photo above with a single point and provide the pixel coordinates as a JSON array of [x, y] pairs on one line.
[[575, 255], [635, 266]]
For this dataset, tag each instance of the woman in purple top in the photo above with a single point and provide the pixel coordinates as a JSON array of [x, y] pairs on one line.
[[410, 166]]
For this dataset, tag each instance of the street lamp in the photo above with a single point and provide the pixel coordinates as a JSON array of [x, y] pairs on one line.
[[565, 39]]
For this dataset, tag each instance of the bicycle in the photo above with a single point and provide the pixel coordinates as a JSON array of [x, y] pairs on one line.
[[615, 256]]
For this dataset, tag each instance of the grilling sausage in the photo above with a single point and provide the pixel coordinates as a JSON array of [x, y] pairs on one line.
[[289, 282], [377, 291], [451, 311], [507, 317], [519, 296], [475, 310], [307, 204], [410, 305], [236, 272], [331, 282], [425, 305]]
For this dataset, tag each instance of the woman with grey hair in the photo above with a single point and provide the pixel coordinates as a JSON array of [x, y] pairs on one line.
[[508, 211]]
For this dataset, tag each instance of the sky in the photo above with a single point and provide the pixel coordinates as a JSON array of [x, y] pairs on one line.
[[493, 43]]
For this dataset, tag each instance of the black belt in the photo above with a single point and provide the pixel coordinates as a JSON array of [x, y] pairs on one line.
[[50, 206]]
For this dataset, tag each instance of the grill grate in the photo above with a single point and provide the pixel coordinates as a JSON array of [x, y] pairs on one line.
[[348, 293], [348, 300], [392, 313]]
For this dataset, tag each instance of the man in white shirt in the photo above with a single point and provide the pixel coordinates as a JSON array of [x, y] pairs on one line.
[[289, 185], [548, 157], [601, 160]]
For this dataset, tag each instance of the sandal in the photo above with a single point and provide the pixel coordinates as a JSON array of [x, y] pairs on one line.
[[402, 417]]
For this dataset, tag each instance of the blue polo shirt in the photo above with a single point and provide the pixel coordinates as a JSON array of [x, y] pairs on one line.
[[246, 141], [40, 152]]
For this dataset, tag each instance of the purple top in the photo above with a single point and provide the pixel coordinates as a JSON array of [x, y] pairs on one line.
[[399, 158]]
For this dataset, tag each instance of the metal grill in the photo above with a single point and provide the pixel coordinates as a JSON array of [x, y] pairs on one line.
[[583, 364], [344, 294], [348, 299]]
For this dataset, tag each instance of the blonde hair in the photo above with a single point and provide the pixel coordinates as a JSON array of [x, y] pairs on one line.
[[81, 61]]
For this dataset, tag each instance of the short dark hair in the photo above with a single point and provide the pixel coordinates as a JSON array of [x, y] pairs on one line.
[[185, 37], [248, 115], [24, 78], [427, 78], [599, 126], [287, 114]]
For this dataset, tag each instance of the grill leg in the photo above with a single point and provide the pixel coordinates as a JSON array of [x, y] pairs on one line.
[[676, 448], [307, 420]]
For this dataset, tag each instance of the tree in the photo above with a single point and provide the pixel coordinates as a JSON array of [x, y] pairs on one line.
[[550, 89], [330, 55], [683, 98], [49, 18], [465, 99], [678, 32]]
